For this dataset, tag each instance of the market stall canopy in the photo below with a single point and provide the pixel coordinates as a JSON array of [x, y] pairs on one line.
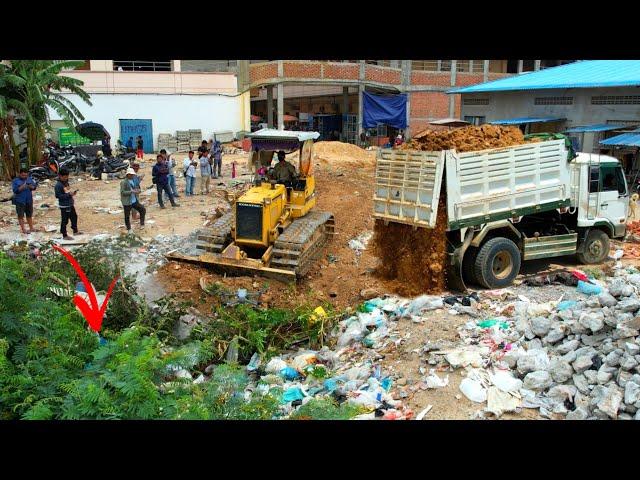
[[272, 139], [630, 139], [521, 120], [92, 131], [384, 109], [450, 122], [598, 127]]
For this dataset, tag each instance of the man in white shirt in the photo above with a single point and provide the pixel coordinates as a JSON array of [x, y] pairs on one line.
[[191, 178], [185, 166]]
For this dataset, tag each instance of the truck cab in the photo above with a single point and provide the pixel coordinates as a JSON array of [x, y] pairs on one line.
[[600, 193]]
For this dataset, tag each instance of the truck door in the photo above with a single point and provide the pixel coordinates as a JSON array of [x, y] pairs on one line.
[[613, 201]]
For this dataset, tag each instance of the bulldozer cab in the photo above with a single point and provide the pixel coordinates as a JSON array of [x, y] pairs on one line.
[[266, 143]]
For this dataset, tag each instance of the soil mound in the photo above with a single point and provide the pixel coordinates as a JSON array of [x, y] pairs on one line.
[[467, 139], [338, 153]]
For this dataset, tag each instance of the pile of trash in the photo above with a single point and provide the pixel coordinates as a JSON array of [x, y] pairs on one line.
[[351, 372], [574, 359]]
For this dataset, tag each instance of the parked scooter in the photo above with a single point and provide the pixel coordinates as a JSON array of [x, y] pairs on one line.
[[49, 170]]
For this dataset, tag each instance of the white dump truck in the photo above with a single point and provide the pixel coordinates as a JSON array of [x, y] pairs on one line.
[[505, 205]]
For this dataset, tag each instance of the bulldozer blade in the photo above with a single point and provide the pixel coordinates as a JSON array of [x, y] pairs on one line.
[[235, 267]]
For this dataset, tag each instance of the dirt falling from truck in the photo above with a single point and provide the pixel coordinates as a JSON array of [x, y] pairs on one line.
[[413, 259]]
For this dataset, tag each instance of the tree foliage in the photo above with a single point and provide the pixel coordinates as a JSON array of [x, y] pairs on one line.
[[28, 88]]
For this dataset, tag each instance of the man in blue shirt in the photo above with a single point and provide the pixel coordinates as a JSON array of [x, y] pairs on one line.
[[129, 145], [160, 176], [22, 187]]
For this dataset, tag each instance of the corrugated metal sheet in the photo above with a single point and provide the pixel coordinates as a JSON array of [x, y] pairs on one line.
[[631, 139], [583, 74], [599, 127], [521, 120]]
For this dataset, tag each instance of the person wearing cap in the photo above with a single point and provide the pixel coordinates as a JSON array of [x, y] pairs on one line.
[[284, 172], [129, 191]]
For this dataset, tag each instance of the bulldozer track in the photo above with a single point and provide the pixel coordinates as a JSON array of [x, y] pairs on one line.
[[218, 236], [296, 248]]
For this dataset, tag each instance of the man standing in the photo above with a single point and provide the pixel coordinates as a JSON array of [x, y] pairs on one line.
[[66, 203], [22, 187], [171, 163], [137, 184], [205, 175], [217, 159], [129, 145], [202, 148], [160, 174], [106, 146], [191, 177], [140, 147], [129, 191], [185, 166]]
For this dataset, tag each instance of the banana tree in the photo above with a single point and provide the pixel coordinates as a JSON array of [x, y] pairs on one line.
[[9, 105], [41, 88]]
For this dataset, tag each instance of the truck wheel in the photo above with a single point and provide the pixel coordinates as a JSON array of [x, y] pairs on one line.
[[596, 247], [497, 263], [468, 265]]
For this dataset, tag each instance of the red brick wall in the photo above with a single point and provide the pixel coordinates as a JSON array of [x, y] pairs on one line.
[[344, 72], [440, 79], [464, 79], [429, 105], [496, 76], [259, 71], [302, 70], [382, 75]]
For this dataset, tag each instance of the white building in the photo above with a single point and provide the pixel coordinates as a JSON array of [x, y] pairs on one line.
[[172, 94]]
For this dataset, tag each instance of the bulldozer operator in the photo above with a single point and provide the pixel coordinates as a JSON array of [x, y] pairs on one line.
[[284, 172]]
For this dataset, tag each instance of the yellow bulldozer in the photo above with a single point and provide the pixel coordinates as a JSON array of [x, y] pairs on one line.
[[273, 229]]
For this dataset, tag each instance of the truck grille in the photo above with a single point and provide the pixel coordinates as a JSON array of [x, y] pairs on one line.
[[248, 221]]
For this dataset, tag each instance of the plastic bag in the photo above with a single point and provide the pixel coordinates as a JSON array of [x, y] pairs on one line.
[[275, 365], [354, 332], [292, 394], [565, 304], [588, 288], [289, 373], [255, 362], [473, 390], [490, 322], [424, 303], [434, 381], [505, 381]]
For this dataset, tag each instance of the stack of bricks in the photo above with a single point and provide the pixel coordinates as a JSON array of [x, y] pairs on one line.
[[183, 140], [168, 142], [195, 139]]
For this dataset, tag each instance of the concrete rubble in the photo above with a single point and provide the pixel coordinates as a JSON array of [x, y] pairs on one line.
[[570, 359]]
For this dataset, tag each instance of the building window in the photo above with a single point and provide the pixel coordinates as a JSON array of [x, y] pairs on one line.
[[475, 101], [142, 65], [475, 120], [424, 65], [209, 65], [477, 66], [445, 66], [615, 100], [553, 101], [462, 66]]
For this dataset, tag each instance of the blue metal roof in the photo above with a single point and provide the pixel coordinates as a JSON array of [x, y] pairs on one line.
[[520, 120], [631, 139], [598, 127], [581, 74]]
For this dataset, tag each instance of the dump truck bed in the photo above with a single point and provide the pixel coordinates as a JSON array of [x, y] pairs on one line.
[[481, 186]]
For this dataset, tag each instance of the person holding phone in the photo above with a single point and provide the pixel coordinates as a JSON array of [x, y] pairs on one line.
[[66, 203], [22, 187]]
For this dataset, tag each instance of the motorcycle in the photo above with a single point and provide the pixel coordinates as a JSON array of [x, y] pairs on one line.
[[43, 172]]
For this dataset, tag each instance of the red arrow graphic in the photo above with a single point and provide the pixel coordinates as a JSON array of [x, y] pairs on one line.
[[92, 313]]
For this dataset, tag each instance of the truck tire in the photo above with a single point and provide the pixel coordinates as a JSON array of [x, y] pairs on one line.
[[596, 248], [468, 265], [497, 263]]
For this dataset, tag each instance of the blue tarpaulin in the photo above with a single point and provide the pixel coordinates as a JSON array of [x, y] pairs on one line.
[[389, 110]]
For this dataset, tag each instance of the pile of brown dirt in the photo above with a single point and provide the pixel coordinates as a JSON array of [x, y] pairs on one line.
[[338, 153], [414, 259], [467, 139]]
